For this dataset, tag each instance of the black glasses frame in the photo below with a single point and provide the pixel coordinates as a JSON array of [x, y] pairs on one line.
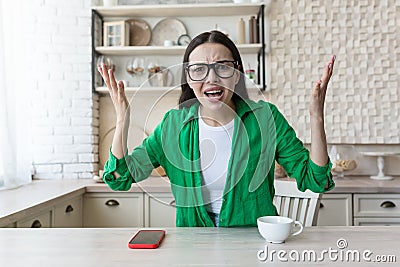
[[212, 66]]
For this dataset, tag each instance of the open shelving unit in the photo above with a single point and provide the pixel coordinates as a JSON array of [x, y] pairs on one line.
[[100, 14]]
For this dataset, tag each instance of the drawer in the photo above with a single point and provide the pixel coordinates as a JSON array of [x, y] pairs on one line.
[[68, 213], [42, 220], [113, 210], [377, 221], [382, 205]]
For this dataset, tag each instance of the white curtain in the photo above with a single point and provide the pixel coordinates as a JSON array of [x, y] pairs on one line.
[[15, 141]]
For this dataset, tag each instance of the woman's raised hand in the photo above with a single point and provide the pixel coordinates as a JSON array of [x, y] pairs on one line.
[[117, 93], [317, 102]]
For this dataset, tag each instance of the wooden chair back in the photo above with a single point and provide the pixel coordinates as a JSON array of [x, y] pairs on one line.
[[300, 206]]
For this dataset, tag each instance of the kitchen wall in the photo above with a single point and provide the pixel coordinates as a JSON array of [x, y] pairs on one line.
[[65, 117], [362, 107], [363, 100]]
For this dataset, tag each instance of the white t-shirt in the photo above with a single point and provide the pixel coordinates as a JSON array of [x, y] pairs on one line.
[[215, 151]]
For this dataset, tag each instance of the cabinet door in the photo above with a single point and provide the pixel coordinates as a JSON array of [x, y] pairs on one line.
[[42, 220], [113, 210], [68, 213], [335, 210], [160, 210], [377, 221]]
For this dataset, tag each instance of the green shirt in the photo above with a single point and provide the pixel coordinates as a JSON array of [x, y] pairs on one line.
[[261, 136]]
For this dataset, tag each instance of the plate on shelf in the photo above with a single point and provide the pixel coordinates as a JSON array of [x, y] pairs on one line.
[[139, 32], [167, 29]]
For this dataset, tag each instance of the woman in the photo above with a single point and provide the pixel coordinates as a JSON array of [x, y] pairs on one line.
[[219, 148]]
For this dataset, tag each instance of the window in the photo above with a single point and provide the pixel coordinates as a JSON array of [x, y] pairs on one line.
[[14, 100], [1, 172]]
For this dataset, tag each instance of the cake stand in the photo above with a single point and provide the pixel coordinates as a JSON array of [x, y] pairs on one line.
[[380, 163]]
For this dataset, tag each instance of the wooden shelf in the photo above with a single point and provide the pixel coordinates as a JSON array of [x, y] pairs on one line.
[[162, 50], [182, 10]]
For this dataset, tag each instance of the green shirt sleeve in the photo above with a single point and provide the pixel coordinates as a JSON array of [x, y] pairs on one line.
[[295, 159], [123, 183]]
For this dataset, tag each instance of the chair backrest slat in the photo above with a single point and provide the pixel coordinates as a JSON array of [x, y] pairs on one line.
[[294, 212], [300, 206], [286, 206]]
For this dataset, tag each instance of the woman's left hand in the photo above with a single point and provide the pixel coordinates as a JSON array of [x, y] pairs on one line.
[[317, 102]]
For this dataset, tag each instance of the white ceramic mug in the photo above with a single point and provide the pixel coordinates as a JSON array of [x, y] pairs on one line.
[[168, 43], [276, 229]]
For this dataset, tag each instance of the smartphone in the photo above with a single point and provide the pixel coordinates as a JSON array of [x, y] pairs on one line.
[[147, 239]]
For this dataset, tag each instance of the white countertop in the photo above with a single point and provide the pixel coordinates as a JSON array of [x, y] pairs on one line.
[[195, 247]]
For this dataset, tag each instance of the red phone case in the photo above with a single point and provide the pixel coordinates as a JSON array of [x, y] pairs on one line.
[[148, 239]]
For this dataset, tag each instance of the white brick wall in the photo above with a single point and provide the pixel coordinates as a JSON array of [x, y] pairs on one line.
[[65, 123]]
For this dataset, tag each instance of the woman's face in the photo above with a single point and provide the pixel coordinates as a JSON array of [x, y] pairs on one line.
[[213, 92]]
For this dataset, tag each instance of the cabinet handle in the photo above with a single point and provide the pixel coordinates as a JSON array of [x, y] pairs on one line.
[[69, 209], [388, 204], [112, 203], [172, 203], [36, 224], [321, 205]]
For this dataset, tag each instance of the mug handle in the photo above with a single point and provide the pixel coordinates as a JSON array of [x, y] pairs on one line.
[[301, 228]]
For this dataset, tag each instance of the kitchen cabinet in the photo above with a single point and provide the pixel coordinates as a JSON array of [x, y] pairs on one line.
[[206, 18], [11, 225], [68, 213], [335, 210], [376, 209], [113, 210], [159, 209], [40, 220]]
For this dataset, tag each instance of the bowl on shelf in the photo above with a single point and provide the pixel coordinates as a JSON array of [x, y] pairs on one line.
[[340, 167]]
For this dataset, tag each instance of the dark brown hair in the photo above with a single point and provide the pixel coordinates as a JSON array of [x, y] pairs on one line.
[[187, 97]]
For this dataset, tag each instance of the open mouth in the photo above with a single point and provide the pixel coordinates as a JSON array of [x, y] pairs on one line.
[[213, 93]]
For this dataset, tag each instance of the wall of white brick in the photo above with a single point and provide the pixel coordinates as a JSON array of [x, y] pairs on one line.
[[65, 118]]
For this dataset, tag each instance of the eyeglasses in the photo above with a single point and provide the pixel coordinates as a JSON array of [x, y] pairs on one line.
[[199, 71]]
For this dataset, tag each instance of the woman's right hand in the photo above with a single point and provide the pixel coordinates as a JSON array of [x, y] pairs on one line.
[[117, 93]]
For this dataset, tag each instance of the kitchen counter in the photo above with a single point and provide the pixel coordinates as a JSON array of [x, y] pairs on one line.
[[198, 247], [18, 203], [364, 184], [23, 201]]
